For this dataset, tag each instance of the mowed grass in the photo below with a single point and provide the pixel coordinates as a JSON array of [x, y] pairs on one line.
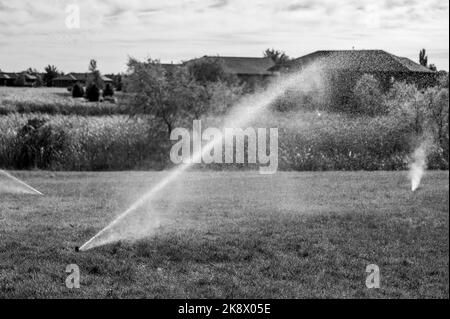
[[230, 235]]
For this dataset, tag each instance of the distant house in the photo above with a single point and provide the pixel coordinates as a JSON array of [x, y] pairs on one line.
[[70, 79], [349, 64], [248, 69], [17, 79], [170, 67], [6, 79]]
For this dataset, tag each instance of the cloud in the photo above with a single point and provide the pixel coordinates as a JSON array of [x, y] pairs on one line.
[[219, 4], [177, 30], [300, 5]]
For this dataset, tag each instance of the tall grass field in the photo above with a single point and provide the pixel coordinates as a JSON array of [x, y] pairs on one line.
[[103, 136]]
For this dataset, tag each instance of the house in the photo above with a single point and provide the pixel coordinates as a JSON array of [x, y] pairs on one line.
[[250, 70], [348, 65], [6, 79], [17, 79], [170, 67], [68, 80]]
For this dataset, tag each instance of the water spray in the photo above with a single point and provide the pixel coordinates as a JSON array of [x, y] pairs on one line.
[[419, 165], [21, 183], [240, 115]]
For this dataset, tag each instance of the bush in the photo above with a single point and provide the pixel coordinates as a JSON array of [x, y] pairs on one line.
[[222, 96], [207, 69], [400, 94], [443, 79], [39, 144], [108, 91], [77, 91], [436, 105], [367, 97], [426, 113], [294, 100], [93, 93]]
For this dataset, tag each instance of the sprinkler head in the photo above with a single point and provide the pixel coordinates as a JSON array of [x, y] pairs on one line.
[[77, 249]]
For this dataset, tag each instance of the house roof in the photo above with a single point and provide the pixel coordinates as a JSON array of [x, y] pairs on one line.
[[66, 77], [359, 61], [13, 76], [245, 65], [5, 76], [74, 76], [30, 76], [8, 75]]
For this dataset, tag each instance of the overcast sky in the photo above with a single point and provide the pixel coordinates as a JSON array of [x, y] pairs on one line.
[[34, 33]]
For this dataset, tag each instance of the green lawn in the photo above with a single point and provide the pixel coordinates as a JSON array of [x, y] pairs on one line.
[[233, 235]]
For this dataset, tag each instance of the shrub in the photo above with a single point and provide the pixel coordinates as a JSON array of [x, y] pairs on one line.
[[443, 79], [207, 69], [77, 91], [436, 105], [295, 100], [93, 93], [367, 97], [108, 91], [426, 113], [400, 94], [222, 96]]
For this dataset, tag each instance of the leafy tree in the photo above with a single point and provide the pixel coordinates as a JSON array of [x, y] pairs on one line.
[[207, 69], [94, 77], [404, 101], [423, 58], [31, 71], [432, 67], [278, 57], [167, 95], [92, 65], [51, 72]]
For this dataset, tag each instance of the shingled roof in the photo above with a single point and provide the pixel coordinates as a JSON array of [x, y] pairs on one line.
[[73, 76], [66, 77], [5, 76], [13, 76], [245, 65], [359, 61]]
